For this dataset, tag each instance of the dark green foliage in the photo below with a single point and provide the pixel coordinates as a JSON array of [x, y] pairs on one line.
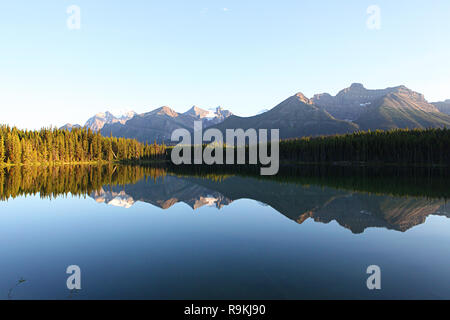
[[400, 146], [2, 149], [63, 146]]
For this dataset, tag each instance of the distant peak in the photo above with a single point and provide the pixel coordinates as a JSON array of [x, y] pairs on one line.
[[403, 88], [165, 110], [354, 88], [197, 111], [195, 108], [300, 96], [357, 86], [129, 114], [321, 95]]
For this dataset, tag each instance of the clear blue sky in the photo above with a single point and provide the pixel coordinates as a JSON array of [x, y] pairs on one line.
[[243, 55]]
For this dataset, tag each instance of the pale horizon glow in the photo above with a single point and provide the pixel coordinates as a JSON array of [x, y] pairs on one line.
[[244, 56]]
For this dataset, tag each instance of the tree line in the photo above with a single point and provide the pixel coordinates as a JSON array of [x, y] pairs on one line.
[[51, 145], [400, 146]]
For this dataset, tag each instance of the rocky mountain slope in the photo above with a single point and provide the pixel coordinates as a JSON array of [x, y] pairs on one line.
[[402, 108], [158, 125], [296, 116], [69, 126], [395, 107], [98, 121], [443, 106], [352, 109]]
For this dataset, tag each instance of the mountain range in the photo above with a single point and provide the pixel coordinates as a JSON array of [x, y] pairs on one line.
[[98, 121], [443, 106], [296, 116], [352, 109], [154, 125], [158, 125]]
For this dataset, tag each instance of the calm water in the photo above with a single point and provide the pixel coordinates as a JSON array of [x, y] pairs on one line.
[[145, 233]]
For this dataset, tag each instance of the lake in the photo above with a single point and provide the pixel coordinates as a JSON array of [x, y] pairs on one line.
[[173, 233]]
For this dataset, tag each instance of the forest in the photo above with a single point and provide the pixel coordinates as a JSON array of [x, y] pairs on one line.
[[398, 146], [401, 146], [53, 146]]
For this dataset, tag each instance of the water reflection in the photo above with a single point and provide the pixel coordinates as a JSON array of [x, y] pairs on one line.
[[352, 210], [355, 200]]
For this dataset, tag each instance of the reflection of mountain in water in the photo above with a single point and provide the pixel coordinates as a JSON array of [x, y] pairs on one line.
[[354, 211], [162, 192], [116, 199], [360, 211]]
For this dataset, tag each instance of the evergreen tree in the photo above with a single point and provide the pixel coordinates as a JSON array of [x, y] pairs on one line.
[[78, 145], [2, 149]]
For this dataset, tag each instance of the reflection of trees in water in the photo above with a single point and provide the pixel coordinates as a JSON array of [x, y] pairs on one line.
[[355, 197], [11, 290], [396, 181], [355, 211], [82, 180]]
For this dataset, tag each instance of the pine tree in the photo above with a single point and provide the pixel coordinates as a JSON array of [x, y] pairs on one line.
[[109, 150], [2, 150], [15, 149], [27, 152]]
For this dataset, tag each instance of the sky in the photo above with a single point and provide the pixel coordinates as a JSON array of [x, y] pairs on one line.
[[243, 55]]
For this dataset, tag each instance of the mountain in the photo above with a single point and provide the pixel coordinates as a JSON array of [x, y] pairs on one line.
[[353, 108], [154, 125], [262, 111], [98, 121], [296, 116], [351, 102], [160, 123], [395, 107], [208, 117], [402, 108], [69, 126], [443, 106]]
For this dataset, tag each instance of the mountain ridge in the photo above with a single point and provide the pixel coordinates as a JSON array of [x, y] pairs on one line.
[[99, 120], [443, 106], [296, 116], [158, 125], [352, 109]]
